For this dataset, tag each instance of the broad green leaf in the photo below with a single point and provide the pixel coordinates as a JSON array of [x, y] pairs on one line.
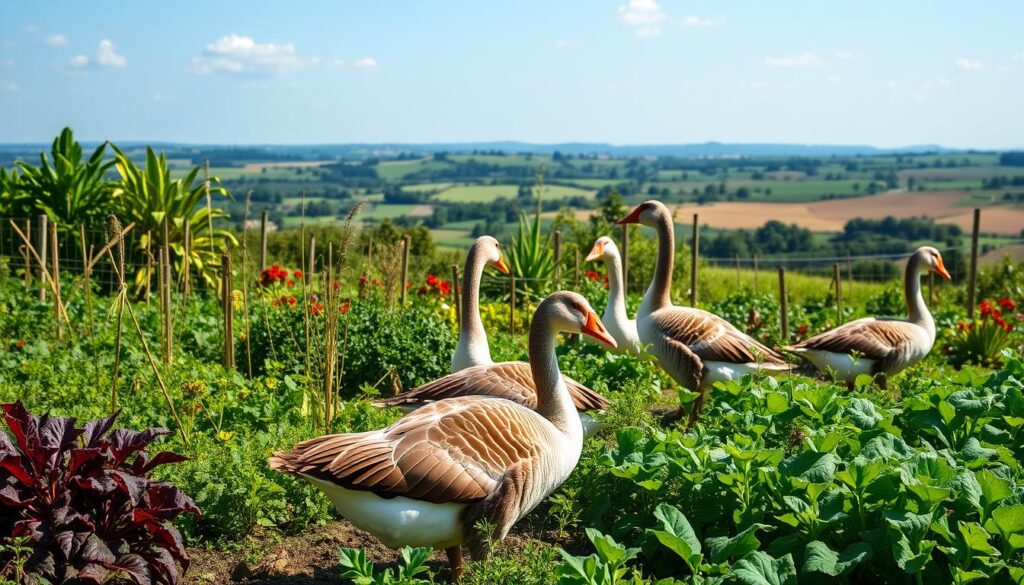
[[610, 551], [994, 489], [972, 451], [678, 535], [862, 413], [722, 548], [811, 467], [759, 568], [1008, 521], [819, 558]]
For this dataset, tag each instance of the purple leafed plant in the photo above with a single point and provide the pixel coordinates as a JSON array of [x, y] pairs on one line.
[[84, 500]]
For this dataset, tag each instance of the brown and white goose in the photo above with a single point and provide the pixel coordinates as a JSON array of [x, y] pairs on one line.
[[695, 347], [428, 479], [473, 370], [880, 346], [615, 318]]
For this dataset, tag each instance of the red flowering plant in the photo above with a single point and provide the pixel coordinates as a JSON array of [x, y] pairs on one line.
[[982, 341], [82, 501]]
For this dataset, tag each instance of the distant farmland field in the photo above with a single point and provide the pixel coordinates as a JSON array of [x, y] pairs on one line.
[[488, 193]]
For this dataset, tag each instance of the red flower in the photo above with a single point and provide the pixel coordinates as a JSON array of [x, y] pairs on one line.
[[801, 330], [444, 287], [290, 283], [961, 326], [334, 285], [362, 281], [316, 309], [1008, 304], [297, 274], [422, 290], [345, 307], [277, 303], [431, 280], [292, 301], [593, 275], [21, 343]]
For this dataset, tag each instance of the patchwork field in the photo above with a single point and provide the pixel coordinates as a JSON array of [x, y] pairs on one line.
[[488, 193]]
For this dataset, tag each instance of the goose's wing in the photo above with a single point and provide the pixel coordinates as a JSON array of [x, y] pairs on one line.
[[875, 339], [509, 380], [711, 338], [451, 451]]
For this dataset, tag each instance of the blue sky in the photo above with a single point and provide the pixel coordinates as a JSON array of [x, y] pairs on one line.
[[885, 73]]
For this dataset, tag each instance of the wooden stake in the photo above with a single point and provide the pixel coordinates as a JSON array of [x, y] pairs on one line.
[[311, 268], [456, 285], [839, 292], [149, 264], [44, 232], [229, 326], [263, 241], [972, 283], [57, 306], [165, 293], [694, 256], [405, 267], [25, 253], [783, 306], [625, 259]]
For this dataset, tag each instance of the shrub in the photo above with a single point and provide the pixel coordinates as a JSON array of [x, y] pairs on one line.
[[982, 342], [82, 501]]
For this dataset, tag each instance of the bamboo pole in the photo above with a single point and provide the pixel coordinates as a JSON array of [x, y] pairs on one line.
[[783, 306], [42, 249], [456, 285], [512, 306], [229, 327], [263, 241], [405, 267], [625, 259], [149, 264], [839, 292], [972, 283], [57, 302], [694, 256]]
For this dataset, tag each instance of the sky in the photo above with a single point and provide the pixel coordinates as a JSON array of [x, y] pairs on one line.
[[880, 73]]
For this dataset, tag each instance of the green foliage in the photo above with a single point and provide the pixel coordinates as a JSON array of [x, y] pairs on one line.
[[72, 191], [531, 256], [413, 563], [149, 197]]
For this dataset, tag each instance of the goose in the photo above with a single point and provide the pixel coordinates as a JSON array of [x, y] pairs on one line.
[[880, 346], [472, 369], [431, 477], [695, 347], [615, 318]]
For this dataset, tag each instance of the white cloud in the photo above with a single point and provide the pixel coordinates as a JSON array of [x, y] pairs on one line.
[[366, 63], [695, 22], [969, 64], [8, 86], [799, 60], [56, 40], [106, 56], [241, 55], [645, 16]]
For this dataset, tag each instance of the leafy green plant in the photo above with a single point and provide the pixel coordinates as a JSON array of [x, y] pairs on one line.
[[149, 197], [361, 571], [531, 258], [983, 341], [605, 567], [72, 191]]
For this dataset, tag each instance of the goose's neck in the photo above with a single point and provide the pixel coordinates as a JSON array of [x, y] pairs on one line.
[[553, 400], [616, 309], [917, 311], [472, 349], [657, 295]]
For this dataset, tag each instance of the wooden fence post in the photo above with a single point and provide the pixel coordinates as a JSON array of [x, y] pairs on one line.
[[149, 264], [783, 306], [311, 268], [972, 283], [44, 235], [26, 254], [512, 306], [405, 266], [625, 259], [57, 302], [229, 325], [456, 285], [263, 241], [839, 292], [558, 258], [694, 256]]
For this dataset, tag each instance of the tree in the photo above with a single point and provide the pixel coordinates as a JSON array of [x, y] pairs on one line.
[[72, 192]]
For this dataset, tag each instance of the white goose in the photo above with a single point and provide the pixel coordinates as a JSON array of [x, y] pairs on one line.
[[695, 347], [428, 479], [622, 328], [473, 370], [882, 346]]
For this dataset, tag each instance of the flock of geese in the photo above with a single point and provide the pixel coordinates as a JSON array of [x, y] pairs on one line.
[[484, 445]]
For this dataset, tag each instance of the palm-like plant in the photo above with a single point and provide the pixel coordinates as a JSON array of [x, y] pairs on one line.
[[13, 201], [150, 196], [71, 192], [531, 258]]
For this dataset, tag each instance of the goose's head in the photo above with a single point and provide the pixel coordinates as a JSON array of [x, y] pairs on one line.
[[603, 247], [649, 213], [930, 258], [570, 312], [490, 249]]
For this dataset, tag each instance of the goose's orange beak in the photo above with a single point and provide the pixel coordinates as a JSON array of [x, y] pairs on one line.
[[941, 269], [596, 252], [595, 328], [500, 264], [633, 217]]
